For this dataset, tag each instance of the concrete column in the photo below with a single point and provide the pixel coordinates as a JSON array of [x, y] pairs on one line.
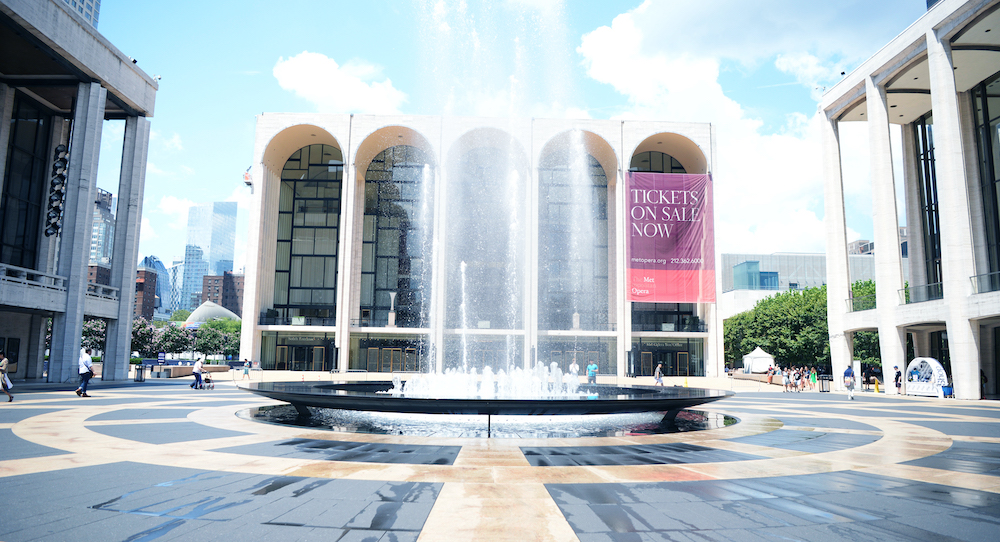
[[131, 186], [838, 275], [624, 307], [6, 111], [888, 261], [347, 295], [36, 347], [921, 344], [253, 300], [78, 218], [888, 374], [957, 256]]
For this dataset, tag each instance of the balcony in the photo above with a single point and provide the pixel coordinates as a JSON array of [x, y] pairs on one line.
[[266, 320], [982, 284], [919, 294], [30, 289], [861, 303], [679, 327]]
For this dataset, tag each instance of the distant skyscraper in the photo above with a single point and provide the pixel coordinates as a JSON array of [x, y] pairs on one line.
[[163, 286], [88, 9], [210, 246], [176, 272], [102, 238]]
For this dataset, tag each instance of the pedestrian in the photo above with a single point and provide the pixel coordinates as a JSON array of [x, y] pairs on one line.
[[812, 379], [246, 369], [4, 381], [849, 382], [658, 374], [899, 380], [770, 375], [86, 373], [574, 369], [592, 373], [197, 375]]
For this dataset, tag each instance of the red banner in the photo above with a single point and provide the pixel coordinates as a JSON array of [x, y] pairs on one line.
[[671, 238]]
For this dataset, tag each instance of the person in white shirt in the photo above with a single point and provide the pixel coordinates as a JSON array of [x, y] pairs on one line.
[[197, 375], [86, 372]]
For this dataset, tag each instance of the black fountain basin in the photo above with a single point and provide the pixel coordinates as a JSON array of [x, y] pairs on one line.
[[596, 399]]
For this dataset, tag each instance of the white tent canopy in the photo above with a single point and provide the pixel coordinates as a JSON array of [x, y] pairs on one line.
[[757, 361]]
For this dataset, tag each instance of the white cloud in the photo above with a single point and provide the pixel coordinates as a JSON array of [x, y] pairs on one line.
[[768, 188], [172, 143], [146, 233], [352, 88], [176, 209]]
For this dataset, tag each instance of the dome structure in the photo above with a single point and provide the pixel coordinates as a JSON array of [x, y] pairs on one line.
[[208, 311]]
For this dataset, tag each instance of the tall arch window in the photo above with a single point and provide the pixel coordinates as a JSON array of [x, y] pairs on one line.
[[305, 278], [927, 179], [397, 235], [662, 316], [485, 232], [986, 101], [25, 183], [572, 242]]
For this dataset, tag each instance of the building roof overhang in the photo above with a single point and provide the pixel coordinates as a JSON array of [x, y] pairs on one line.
[[901, 67], [48, 50]]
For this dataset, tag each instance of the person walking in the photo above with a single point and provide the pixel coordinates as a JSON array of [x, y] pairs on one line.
[[849, 382], [3, 377], [658, 375], [246, 369], [592, 373], [86, 372], [196, 370]]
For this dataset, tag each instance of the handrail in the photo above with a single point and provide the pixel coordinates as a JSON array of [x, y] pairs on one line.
[[861, 303], [102, 291], [31, 277], [919, 294], [988, 282]]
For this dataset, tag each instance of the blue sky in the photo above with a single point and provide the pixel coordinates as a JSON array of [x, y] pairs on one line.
[[753, 69]]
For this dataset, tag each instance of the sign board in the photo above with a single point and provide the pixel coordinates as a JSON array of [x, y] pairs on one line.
[[925, 376], [670, 238]]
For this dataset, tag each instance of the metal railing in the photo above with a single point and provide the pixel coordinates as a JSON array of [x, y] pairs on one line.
[[861, 303], [990, 282], [30, 277], [693, 327], [102, 291], [919, 294]]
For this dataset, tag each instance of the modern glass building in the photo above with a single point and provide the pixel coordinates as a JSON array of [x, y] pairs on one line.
[[388, 244], [938, 83], [211, 241]]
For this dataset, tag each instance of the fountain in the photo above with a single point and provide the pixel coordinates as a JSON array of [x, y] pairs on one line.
[[474, 266]]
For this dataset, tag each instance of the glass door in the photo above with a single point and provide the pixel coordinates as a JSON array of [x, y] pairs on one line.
[[281, 359], [318, 357]]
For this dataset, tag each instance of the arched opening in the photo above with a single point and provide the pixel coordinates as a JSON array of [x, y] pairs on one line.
[[305, 276], [573, 233], [397, 239], [486, 226], [682, 356]]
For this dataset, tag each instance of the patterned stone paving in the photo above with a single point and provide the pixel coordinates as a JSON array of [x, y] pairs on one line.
[[164, 462]]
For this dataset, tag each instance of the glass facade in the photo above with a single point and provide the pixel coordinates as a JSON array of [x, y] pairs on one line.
[[680, 356], [583, 350], [298, 351], [305, 278], [929, 217], [573, 286], [25, 184], [397, 249], [384, 353], [986, 100]]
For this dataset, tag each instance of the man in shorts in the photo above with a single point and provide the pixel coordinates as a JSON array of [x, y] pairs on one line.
[[658, 374], [849, 382], [899, 380]]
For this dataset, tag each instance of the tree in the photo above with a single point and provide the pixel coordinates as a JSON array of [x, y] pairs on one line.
[[94, 334], [231, 345], [175, 339], [225, 325], [208, 341], [791, 326], [145, 338], [866, 346], [179, 315]]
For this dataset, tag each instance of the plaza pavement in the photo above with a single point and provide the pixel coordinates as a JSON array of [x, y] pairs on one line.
[[160, 461]]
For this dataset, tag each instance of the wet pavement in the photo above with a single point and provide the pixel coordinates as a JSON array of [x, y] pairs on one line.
[[163, 462]]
